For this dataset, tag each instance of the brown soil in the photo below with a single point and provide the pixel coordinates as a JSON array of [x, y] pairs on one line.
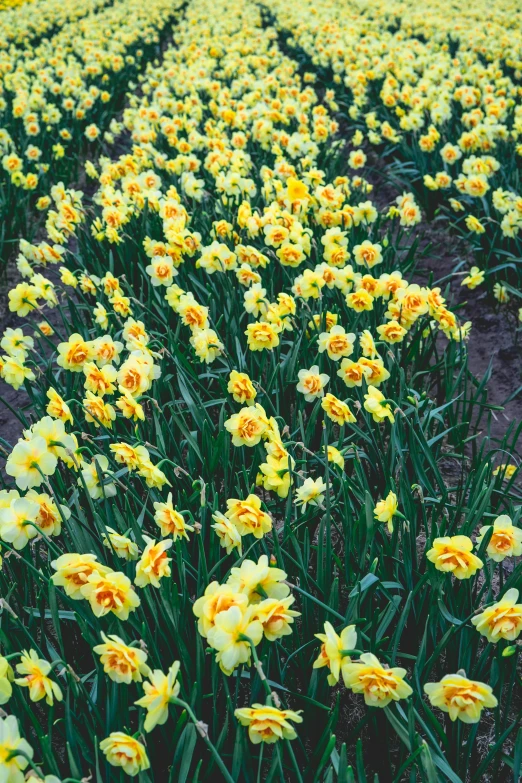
[[493, 342]]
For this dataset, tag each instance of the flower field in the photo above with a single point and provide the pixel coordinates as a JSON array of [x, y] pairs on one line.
[[257, 523]]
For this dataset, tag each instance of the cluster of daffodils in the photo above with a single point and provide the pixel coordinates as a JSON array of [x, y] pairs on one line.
[[253, 604], [462, 698], [454, 555], [435, 88], [230, 367]]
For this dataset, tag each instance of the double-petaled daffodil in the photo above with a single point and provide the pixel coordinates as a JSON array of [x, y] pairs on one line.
[[334, 649], [73, 571], [122, 750], [100, 413], [154, 564], [312, 383], [386, 509], [461, 698], [248, 426], [231, 634], [207, 345], [311, 492], [268, 724], [262, 336], [99, 380], [258, 580], [367, 254], [505, 541], [161, 271], [110, 592], [57, 407], [474, 225], [360, 300], [392, 332], [217, 598], [50, 514], [248, 516], [502, 620], [379, 684], [336, 342], [74, 353], [159, 692], [454, 555], [121, 662], [241, 388], [35, 671], [228, 534], [274, 474], [130, 407], [132, 457], [276, 616], [337, 410]]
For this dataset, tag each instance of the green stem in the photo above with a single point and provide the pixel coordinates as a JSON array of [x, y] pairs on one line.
[[202, 731]]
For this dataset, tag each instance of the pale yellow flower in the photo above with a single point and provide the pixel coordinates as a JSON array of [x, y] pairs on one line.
[[503, 620], [379, 684], [460, 697], [268, 724]]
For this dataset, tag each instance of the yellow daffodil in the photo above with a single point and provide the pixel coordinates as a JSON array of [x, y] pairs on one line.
[[228, 636], [453, 554], [334, 650], [122, 750], [15, 752], [268, 724], [110, 592], [503, 620], [153, 564], [505, 541], [35, 671], [159, 691], [386, 509], [379, 684], [461, 698], [121, 662]]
